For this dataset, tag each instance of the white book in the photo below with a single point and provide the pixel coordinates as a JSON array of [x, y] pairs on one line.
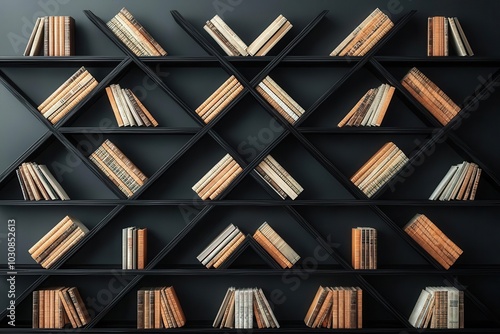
[[419, 307], [124, 248], [212, 172], [275, 38], [279, 101], [32, 37], [134, 248], [219, 41], [53, 182], [271, 83], [277, 179], [266, 35], [230, 35], [216, 242], [457, 41], [445, 196], [373, 106], [237, 309], [460, 179], [45, 182], [224, 242], [124, 105], [268, 307], [115, 89], [222, 308], [378, 104], [137, 118], [446, 179], [130, 238]]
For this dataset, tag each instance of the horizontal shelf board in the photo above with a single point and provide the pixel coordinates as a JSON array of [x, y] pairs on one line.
[[125, 130], [31, 270], [367, 130], [77, 61], [347, 202]]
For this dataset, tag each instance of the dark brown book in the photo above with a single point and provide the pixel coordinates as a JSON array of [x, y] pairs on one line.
[[35, 320], [140, 309]]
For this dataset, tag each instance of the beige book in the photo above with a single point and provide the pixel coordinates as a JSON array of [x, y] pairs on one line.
[[37, 181], [44, 239], [217, 178], [276, 99], [363, 33], [31, 182], [51, 36], [276, 178], [275, 105], [127, 118], [44, 182], [374, 38], [216, 95], [110, 174], [130, 40], [227, 252], [153, 121], [57, 41], [51, 238], [274, 39], [79, 96], [220, 39], [230, 35], [224, 103], [224, 185], [208, 176], [367, 166], [137, 118], [225, 247], [31, 40], [266, 35], [470, 182], [221, 98], [282, 171], [59, 91], [381, 93], [354, 109], [53, 182], [382, 109], [283, 96], [135, 33], [114, 106], [60, 250], [128, 165], [421, 97], [36, 48], [115, 27]]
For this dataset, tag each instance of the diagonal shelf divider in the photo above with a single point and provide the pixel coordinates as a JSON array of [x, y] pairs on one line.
[[442, 132], [250, 243]]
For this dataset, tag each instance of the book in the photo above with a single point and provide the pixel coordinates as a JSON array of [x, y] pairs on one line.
[[271, 171], [159, 307], [364, 248], [127, 108], [52, 36], [57, 307], [458, 183], [440, 30], [438, 307], [37, 183]]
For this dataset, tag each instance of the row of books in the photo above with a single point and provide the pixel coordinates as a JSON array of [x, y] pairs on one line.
[[214, 104], [439, 28], [440, 105], [240, 306], [118, 168], [159, 307], [58, 241], [68, 95], [128, 109], [221, 247], [280, 100], [336, 307], [371, 108], [278, 248], [37, 183], [232, 44], [439, 307], [459, 183], [379, 169], [134, 35], [365, 35], [278, 178], [57, 307], [364, 248], [217, 178], [134, 247], [433, 240], [52, 36]]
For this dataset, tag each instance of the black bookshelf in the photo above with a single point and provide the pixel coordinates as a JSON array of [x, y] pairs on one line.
[[381, 207]]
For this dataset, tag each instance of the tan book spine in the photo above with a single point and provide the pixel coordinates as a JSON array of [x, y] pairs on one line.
[[146, 112], [266, 35], [52, 310], [223, 98], [272, 250], [140, 38], [315, 305], [463, 186], [359, 176], [60, 91], [109, 173], [365, 107], [47, 311], [359, 296], [180, 318], [76, 236], [147, 311], [228, 250], [224, 103], [271, 182], [74, 101], [219, 176], [356, 242], [283, 96], [384, 106], [131, 40], [471, 182], [383, 171], [29, 191], [273, 163], [216, 95], [438, 240], [212, 172], [278, 179], [224, 185], [127, 165], [476, 183], [114, 106], [458, 251], [274, 39], [424, 242], [117, 170], [116, 28], [55, 243], [167, 321], [67, 307], [44, 239], [360, 37], [118, 154], [56, 38], [31, 182], [275, 105], [228, 48], [425, 101], [37, 181], [142, 246], [157, 306], [354, 109], [51, 36], [374, 38], [79, 305]]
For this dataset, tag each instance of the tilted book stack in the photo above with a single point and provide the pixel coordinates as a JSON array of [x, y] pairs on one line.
[[68, 95], [459, 183], [433, 240], [240, 306], [280, 100], [364, 248], [278, 178], [159, 307], [234, 46], [217, 178], [128, 109], [58, 241], [379, 169], [336, 307], [439, 28], [221, 247], [118, 168], [280, 251], [37, 183], [134, 35], [52, 36], [134, 247], [57, 307], [439, 307], [371, 108], [365, 36], [213, 105], [430, 96]]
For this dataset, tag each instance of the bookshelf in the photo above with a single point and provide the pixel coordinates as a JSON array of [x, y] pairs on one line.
[[322, 158]]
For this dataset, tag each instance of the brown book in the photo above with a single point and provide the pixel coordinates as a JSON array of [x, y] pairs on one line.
[[315, 306], [359, 296], [233, 94], [218, 178], [157, 307], [74, 101], [327, 303], [110, 174], [80, 307], [140, 309], [215, 96], [372, 163], [31, 182], [56, 242], [274, 39], [476, 183], [356, 249], [272, 250], [60, 250], [142, 245], [124, 161], [35, 320], [224, 253], [180, 318], [354, 109]]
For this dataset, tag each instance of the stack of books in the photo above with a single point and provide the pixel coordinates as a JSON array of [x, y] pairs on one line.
[[54, 308], [279, 250], [52, 36], [364, 248], [218, 178], [438, 30], [37, 182], [159, 308], [336, 307], [371, 108], [234, 46], [365, 36], [58, 241], [118, 168], [459, 183], [280, 100], [278, 178], [134, 247], [213, 105], [433, 240], [134, 35], [439, 307], [379, 169], [221, 247], [68, 95], [128, 109], [430, 96], [240, 306]]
